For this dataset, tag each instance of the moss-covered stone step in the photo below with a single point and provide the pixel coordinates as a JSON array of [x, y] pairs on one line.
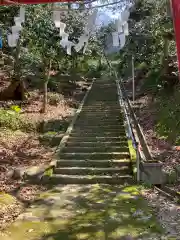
[[91, 149], [94, 155], [99, 118], [98, 129], [97, 115], [89, 179], [100, 108], [96, 134], [100, 139], [107, 128], [101, 123], [92, 171], [93, 163], [94, 111], [112, 121], [97, 144], [99, 126]]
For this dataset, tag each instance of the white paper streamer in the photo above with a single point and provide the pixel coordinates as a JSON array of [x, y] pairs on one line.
[[16, 36], [63, 43], [16, 29], [69, 47], [22, 14], [122, 39], [12, 40], [126, 29], [119, 26], [78, 47], [65, 36], [17, 21], [115, 39], [84, 38], [125, 15], [56, 16], [61, 28]]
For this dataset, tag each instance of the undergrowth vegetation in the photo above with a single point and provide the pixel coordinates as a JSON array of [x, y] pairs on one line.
[[13, 120]]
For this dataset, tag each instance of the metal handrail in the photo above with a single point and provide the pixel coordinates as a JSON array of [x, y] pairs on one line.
[[131, 136], [122, 99]]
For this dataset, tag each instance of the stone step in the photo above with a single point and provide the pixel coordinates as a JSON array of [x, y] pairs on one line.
[[100, 124], [94, 155], [100, 134], [96, 144], [97, 127], [97, 139], [99, 131], [100, 117], [92, 171], [112, 120], [100, 121], [89, 179], [102, 113], [102, 110], [103, 106], [91, 149], [93, 163]]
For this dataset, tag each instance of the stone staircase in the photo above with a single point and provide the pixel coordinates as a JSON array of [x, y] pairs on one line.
[[97, 148]]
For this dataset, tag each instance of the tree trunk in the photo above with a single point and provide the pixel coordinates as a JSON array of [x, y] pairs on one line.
[[46, 80], [44, 106]]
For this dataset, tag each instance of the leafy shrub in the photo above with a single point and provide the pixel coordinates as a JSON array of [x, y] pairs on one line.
[[14, 121], [93, 72], [168, 123], [54, 98], [16, 109], [152, 82]]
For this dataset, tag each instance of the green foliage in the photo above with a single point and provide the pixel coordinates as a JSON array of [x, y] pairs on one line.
[[149, 22], [152, 82], [14, 121], [15, 108], [93, 72], [168, 116], [171, 177], [10, 119], [54, 98]]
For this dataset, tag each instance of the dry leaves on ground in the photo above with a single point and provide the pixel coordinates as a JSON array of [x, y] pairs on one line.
[[20, 149]]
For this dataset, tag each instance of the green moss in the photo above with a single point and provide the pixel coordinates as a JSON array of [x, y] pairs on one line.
[[6, 199], [81, 212], [49, 172], [132, 151]]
